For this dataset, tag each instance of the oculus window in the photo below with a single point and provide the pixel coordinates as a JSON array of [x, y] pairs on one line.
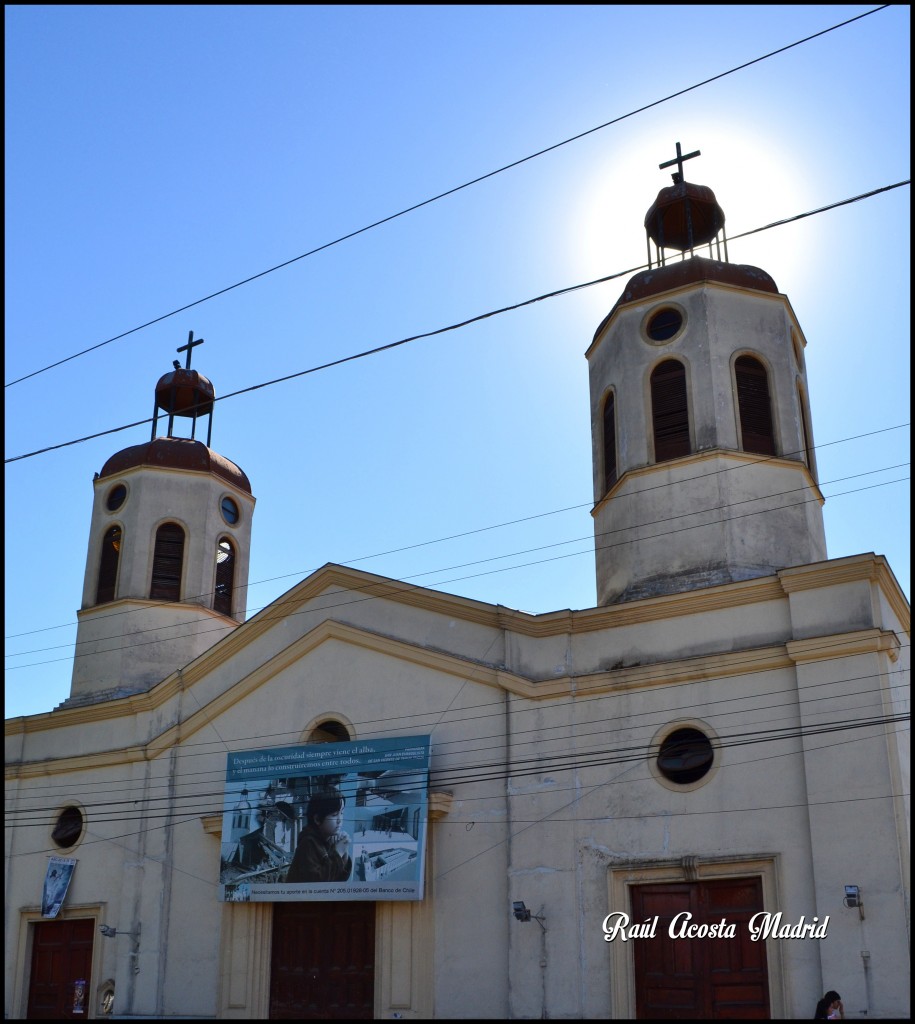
[[686, 755]]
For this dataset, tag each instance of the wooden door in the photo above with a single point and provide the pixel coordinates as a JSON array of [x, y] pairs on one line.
[[61, 957], [700, 978], [323, 961]]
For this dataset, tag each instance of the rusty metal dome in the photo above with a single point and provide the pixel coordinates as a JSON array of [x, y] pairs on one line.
[[684, 216], [185, 393], [181, 453]]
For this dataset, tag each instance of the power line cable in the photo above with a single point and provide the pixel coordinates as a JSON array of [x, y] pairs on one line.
[[752, 663], [442, 330], [607, 759], [468, 774], [577, 540], [529, 823], [449, 192], [478, 530], [560, 705], [134, 634], [101, 801]]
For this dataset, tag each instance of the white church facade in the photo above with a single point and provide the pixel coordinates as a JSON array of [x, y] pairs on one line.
[[719, 745]]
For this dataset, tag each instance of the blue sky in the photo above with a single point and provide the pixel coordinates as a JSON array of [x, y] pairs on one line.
[[157, 154]]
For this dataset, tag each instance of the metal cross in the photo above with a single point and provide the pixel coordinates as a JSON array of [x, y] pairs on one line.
[[678, 160], [191, 344]]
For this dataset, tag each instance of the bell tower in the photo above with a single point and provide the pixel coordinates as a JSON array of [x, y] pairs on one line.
[[703, 457], [169, 545]]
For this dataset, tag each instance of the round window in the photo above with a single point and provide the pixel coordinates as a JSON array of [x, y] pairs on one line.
[[229, 511], [68, 827], [686, 755], [116, 497], [664, 324]]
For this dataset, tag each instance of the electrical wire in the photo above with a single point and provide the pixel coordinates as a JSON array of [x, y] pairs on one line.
[[474, 774], [103, 809], [449, 192], [543, 819], [593, 705], [467, 533], [440, 330], [374, 584]]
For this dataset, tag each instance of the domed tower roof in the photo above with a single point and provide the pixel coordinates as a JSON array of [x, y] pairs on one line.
[[177, 453], [185, 391], [684, 216]]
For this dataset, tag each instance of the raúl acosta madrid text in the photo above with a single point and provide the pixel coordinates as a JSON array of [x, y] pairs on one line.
[[763, 925]]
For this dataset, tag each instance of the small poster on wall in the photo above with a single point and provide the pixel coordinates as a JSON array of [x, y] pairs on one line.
[[79, 996], [341, 821]]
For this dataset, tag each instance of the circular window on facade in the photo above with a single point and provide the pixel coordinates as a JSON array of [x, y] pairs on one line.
[[686, 755], [229, 511], [68, 827], [116, 497], [664, 324]]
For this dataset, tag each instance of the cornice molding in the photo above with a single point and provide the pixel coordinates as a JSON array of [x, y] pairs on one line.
[[842, 645], [78, 763], [609, 681], [868, 567], [113, 609], [730, 454]]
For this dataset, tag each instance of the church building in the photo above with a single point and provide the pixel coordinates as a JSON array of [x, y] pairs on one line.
[[689, 801]]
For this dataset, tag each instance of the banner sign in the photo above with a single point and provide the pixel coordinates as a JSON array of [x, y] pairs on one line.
[[326, 821], [56, 883]]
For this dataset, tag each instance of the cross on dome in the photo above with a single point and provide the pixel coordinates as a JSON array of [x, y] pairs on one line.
[[191, 344], [678, 160]]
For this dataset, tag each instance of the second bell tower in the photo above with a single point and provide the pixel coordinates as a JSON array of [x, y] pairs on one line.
[[169, 544], [703, 456]]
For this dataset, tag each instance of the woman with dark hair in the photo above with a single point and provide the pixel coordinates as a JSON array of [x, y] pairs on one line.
[[322, 852], [830, 1007]]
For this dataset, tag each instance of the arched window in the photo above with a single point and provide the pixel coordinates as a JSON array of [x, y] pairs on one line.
[[329, 731], [669, 410], [609, 443], [754, 405], [108, 565], [225, 576], [168, 558]]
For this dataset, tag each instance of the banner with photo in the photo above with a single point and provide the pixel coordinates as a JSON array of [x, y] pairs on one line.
[[327, 821], [56, 883]]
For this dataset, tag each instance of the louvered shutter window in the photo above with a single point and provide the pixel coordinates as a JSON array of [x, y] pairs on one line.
[[225, 575], [670, 411], [754, 405], [108, 565], [167, 561], [609, 443]]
